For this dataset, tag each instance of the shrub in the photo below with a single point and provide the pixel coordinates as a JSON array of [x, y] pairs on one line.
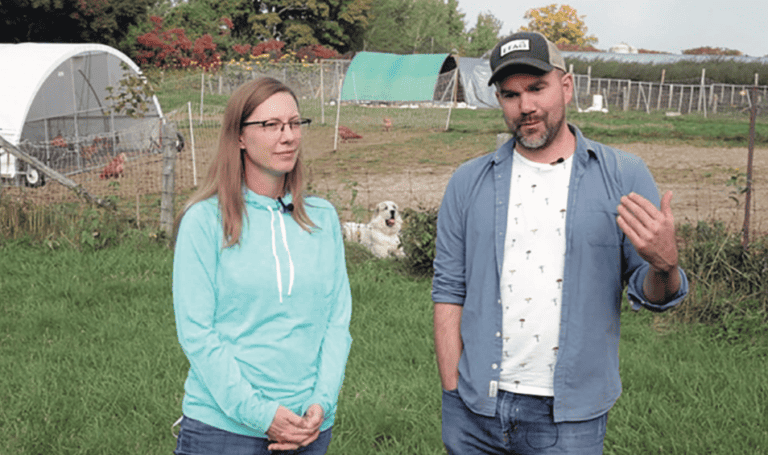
[[727, 281], [418, 239], [173, 49]]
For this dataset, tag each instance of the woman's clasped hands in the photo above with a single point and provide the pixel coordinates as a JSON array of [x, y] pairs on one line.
[[288, 431]]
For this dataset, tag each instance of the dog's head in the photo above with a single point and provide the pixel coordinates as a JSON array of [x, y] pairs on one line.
[[389, 213]]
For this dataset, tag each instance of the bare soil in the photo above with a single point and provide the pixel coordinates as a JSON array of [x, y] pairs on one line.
[[697, 176], [412, 169]]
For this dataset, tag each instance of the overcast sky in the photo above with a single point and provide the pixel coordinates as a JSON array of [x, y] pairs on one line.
[[659, 25]]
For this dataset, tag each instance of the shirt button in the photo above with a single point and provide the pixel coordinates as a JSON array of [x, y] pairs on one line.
[[494, 366], [498, 334]]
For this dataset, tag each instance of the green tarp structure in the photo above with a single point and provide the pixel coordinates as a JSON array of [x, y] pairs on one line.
[[375, 76]]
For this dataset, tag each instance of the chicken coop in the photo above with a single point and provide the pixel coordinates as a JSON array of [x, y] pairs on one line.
[[61, 104], [377, 76]]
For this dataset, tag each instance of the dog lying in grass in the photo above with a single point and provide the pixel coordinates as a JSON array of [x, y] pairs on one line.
[[382, 234]]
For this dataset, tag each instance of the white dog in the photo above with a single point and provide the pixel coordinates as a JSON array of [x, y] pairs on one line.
[[382, 234]]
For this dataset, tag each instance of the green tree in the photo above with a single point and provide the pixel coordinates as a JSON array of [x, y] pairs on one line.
[[561, 24], [334, 23], [89, 21], [483, 36], [415, 26]]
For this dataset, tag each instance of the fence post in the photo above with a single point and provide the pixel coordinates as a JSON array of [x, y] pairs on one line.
[[671, 94], [625, 98], [661, 88], [690, 99], [338, 115], [750, 154], [322, 95], [701, 90], [202, 95], [454, 94], [192, 144], [169, 168]]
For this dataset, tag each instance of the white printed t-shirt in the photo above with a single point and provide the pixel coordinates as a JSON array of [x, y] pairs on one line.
[[532, 275]]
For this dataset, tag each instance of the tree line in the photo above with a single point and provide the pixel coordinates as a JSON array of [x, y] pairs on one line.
[[205, 33], [177, 32]]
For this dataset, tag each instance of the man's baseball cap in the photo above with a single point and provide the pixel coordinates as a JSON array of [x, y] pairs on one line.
[[520, 52]]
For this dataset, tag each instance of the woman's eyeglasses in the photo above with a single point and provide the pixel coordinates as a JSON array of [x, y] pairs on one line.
[[276, 126]]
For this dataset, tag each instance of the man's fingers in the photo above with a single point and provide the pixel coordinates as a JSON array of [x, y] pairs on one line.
[[641, 208], [666, 204]]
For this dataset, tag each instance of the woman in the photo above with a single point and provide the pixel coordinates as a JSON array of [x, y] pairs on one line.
[[260, 290]]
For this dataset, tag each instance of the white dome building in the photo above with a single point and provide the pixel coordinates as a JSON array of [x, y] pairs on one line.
[[623, 48]]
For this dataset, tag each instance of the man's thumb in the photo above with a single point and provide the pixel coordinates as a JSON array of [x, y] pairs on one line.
[[666, 203]]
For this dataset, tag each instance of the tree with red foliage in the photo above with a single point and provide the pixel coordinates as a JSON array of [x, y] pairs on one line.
[[164, 48], [228, 26], [568, 47], [315, 52], [172, 49], [273, 48], [204, 53], [706, 50], [241, 49]]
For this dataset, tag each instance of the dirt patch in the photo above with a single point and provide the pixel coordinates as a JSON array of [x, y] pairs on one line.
[[412, 167], [697, 176]]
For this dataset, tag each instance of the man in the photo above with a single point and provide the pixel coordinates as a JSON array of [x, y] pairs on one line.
[[535, 243]]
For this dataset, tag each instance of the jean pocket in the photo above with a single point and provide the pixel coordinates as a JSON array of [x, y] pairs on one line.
[[196, 437]]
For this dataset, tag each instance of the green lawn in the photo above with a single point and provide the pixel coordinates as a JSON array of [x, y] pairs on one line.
[[89, 364]]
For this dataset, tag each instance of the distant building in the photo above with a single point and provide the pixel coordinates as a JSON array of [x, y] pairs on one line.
[[623, 48]]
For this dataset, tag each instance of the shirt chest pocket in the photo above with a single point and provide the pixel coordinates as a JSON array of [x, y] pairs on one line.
[[598, 223]]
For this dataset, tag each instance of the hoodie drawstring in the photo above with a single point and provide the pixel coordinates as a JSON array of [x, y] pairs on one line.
[[290, 261], [277, 260]]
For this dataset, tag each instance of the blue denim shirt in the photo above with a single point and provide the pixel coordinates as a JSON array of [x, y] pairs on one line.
[[599, 261]]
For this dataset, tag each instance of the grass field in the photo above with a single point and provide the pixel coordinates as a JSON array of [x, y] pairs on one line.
[[90, 364]]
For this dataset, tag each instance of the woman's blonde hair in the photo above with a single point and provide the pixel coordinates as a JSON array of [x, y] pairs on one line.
[[226, 175]]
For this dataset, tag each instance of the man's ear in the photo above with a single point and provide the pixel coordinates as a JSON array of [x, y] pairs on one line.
[[567, 83]]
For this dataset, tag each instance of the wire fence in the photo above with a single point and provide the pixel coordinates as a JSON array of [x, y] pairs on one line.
[[704, 98], [128, 164]]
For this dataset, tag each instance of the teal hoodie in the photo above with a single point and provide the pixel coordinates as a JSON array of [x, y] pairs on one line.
[[263, 323]]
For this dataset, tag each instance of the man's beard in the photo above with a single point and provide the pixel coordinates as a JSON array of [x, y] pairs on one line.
[[540, 142]]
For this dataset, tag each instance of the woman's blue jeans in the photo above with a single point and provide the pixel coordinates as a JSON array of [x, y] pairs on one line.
[[523, 425], [198, 438]]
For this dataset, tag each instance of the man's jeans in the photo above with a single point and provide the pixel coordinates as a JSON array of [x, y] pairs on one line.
[[198, 438], [523, 425]]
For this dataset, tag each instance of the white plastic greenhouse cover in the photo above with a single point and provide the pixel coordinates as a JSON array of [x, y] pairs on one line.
[[27, 66]]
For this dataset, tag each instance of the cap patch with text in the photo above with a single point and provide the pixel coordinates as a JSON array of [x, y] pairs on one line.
[[522, 52]]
